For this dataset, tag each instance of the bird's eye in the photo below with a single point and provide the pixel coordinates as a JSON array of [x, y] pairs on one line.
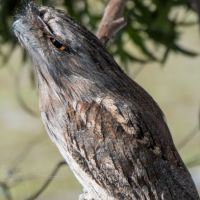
[[57, 44]]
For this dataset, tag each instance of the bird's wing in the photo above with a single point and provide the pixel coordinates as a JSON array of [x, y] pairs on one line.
[[125, 152]]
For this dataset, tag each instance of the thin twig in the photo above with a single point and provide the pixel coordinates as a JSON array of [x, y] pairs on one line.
[[6, 190], [138, 71], [19, 96], [193, 162], [12, 171], [190, 135], [188, 138], [112, 20], [12, 179], [48, 181]]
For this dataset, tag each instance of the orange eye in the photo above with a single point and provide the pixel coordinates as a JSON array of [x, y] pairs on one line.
[[57, 44]]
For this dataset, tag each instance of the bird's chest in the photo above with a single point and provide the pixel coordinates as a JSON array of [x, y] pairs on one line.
[[63, 124], [54, 117], [57, 125]]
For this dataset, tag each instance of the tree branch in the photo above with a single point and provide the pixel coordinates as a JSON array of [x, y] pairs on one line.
[[112, 20], [195, 4]]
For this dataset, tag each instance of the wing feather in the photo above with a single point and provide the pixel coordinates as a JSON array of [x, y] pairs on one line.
[[123, 150]]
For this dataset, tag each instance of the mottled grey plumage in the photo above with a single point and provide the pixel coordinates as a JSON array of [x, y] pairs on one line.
[[109, 130]]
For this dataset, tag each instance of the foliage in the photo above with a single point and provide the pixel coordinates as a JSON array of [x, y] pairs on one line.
[[152, 26]]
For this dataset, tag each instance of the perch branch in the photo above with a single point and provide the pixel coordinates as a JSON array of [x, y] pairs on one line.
[[112, 20]]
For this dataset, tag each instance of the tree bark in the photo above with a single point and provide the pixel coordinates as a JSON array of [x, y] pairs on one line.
[[112, 20]]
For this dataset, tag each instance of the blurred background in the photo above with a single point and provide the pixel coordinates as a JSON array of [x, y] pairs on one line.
[[159, 48]]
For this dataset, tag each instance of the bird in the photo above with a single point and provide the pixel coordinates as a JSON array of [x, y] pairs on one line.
[[110, 131]]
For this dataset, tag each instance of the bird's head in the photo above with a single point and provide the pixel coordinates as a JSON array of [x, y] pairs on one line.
[[60, 46]]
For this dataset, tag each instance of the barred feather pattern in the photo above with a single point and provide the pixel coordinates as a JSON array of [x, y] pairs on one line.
[[110, 131], [113, 151]]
